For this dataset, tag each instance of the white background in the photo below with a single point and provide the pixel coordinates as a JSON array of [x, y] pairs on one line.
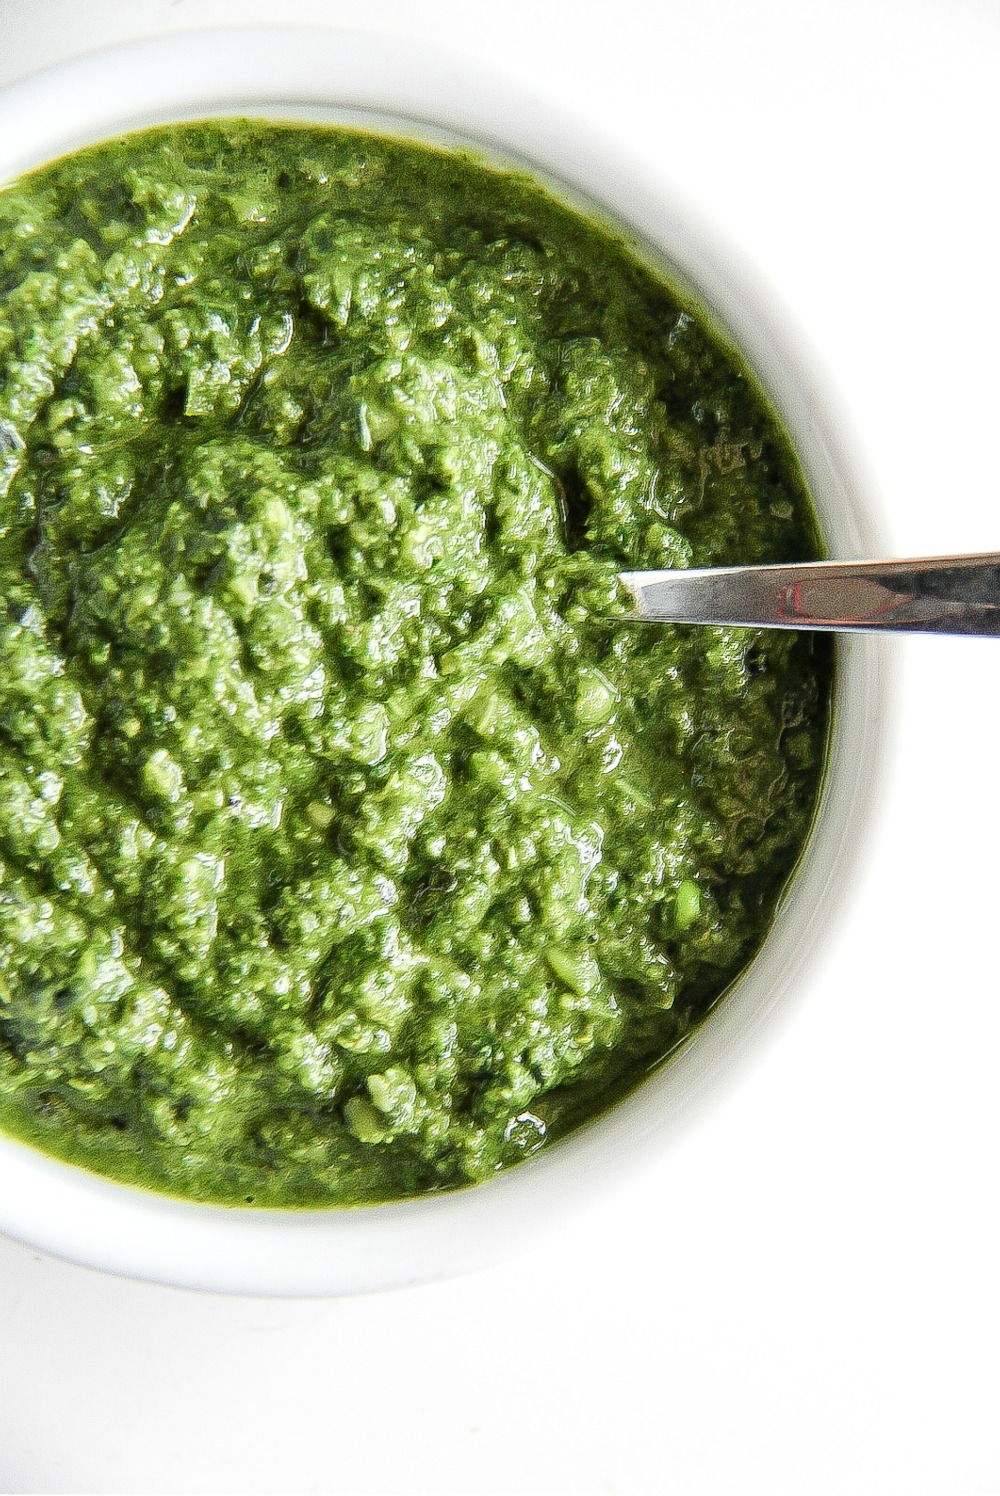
[[802, 1297]]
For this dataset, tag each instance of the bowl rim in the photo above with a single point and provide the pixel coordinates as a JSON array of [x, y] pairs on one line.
[[397, 85]]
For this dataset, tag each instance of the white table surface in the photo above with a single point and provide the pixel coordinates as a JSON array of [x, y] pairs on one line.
[[802, 1297]]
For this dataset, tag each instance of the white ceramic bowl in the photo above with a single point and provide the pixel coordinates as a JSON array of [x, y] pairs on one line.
[[284, 72]]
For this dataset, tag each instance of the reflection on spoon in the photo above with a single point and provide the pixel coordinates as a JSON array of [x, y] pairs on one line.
[[939, 595]]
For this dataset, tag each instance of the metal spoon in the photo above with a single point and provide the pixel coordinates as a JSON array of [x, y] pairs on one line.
[[940, 595]]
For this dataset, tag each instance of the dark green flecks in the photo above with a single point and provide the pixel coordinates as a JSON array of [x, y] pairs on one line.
[[349, 848]]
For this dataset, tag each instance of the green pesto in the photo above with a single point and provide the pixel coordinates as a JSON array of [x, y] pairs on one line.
[[349, 848]]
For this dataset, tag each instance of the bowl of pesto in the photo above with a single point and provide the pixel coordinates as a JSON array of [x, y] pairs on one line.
[[353, 851]]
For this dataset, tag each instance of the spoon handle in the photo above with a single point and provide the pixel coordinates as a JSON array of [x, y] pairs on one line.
[[940, 595]]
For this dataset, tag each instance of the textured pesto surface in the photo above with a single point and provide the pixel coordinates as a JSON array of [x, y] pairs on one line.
[[347, 849]]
